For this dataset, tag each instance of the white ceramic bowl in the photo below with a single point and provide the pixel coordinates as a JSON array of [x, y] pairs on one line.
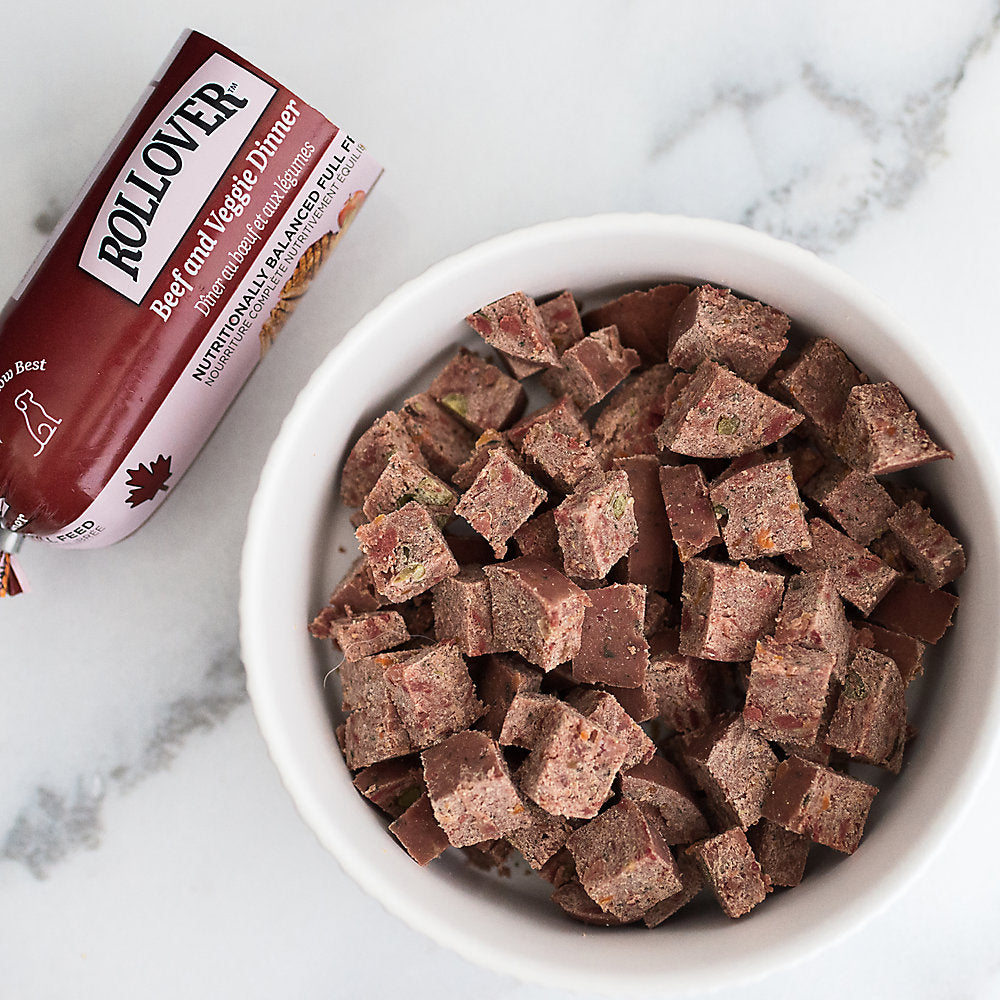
[[292, 561]]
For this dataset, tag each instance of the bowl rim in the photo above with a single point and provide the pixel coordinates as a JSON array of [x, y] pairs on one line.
[[262, 540]]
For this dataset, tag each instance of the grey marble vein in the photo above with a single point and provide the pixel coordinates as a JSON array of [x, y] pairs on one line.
[[58, 822], [900, 151]]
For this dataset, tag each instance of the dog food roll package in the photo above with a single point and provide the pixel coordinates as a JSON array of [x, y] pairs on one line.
[[162, 287]]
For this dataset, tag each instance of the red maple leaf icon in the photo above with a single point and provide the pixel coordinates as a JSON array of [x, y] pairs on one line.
[[147, 482]]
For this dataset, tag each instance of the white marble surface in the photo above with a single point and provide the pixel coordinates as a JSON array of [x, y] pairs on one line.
[[147, 846]]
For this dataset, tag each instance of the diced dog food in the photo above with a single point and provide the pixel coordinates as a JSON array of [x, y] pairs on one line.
[[644, 645], [694, 525], [591, 368], [444, 442], [463, 611], [393, 785], [931, 549], [403, 480], [658, 783], [733, 765], [879, 433], [613, 649], [522, 725], [917, 610], [782, 855], [760, 511], [499, 500], [406, 552], [719, 415], [858, 574], [650, 560], [623, 863], [857, 501], [418, 831], [711, 323], [818, 384], [369, 456], [572, 766], [596, 525], [726, 608], [604, 708], [478, 393], [433, 693], [643, 319], [502, 676], [828, 807], [515, 327], [471, 790], [537, 612], [369, 633], [732, 872], [562, 320], [870, 719], [630, 417], [787, 692]]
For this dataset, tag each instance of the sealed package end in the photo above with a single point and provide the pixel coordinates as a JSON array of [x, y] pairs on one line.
[[160, 291]]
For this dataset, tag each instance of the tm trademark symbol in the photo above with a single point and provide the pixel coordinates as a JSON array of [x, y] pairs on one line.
[[231, 88]]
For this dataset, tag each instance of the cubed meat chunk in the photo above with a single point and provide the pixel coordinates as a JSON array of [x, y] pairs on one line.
[[693, 523], [817, 384], [501, 677], [869, 722], [403, 480], [733, 765], [760, 511], [478, 393], [828, 807], [444, 441], [369, 633], [650, 560], [572, 766], [746, 336], [731, 871], [513, 325], [596, 525], [643, 319], [623, 863], [719, 415], [366, 460], [560, 460], [463, 611], [604, 708], [879, 433], [613, 649], [433, 693], [542, 837], [418, 831], [591, 368], [858, 502], [726, 609], [858, 574], [562, 320], [471, 790], [393, 785], [787, 692], [522, 725], [690, 691], [537, 611], [812, 615], [629, 419], [928, 546], [659, 784], [499, 500], [406, 551], [781, 853], [917, 610]]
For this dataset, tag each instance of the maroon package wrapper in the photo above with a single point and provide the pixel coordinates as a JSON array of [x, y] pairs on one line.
[[159, 292]]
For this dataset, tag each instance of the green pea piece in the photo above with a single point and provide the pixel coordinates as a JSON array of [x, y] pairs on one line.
[[854, 686], [618, 504], [456, 402], [406, 798], [727, 425]]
